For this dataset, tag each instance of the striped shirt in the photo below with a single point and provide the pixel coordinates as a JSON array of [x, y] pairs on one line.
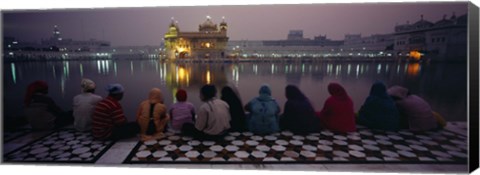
[[108, 113]]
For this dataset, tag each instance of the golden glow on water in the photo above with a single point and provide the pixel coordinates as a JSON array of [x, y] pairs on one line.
[[174, 92], [208, 77], [183, 75], [413, 69]]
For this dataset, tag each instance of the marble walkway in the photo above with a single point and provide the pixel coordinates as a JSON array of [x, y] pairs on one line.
[[114, 155]]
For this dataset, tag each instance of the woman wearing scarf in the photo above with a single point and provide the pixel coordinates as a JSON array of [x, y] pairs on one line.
[[298, 115], [237, 114], [415, 113], [338, 113], [264, 110], [152, 116], [41, 111], [379, 110]]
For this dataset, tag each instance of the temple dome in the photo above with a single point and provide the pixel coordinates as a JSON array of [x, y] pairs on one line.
[[422, 23], [208, 25]]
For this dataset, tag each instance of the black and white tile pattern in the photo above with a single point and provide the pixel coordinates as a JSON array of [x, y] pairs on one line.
[[363, 146], [61, 146]]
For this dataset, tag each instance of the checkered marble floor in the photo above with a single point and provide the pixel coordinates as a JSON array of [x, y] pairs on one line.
[[458, 127], [61, 146], [363, 146]]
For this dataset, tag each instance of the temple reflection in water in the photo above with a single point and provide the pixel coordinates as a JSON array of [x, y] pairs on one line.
[[192, 77]]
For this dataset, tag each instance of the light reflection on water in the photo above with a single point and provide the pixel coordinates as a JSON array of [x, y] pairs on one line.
[[14, 74], [442, 85]]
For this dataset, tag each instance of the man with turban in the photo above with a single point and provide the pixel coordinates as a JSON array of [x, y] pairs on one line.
[[41, 111], [84, 104]]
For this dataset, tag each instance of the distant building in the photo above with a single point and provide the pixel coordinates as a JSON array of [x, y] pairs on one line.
[[374, 45], [295, 38], [294, 46], [209, 42], [258, 49], [295, 35], [146, 51], [444, 40], [13, 44], [65, 44]]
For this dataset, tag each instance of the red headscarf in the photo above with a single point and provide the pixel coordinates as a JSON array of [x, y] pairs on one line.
[[37, 86], [337, 91], [338, 112], [181, 95]]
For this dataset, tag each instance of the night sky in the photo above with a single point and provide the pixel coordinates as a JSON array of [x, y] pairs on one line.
[[147, 25]]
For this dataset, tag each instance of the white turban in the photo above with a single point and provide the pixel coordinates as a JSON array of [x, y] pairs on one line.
[[87, 85]]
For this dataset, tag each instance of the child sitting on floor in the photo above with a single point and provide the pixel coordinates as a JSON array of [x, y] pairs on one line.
[[181, 112]]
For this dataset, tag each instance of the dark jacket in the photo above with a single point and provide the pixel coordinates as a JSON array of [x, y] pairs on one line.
[[379, 110], [298, 115], [238, 119]]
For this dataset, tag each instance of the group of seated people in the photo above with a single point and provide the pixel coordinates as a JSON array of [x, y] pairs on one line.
[[384, 109]]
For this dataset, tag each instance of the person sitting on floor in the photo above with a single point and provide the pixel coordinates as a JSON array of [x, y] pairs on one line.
[[182, 111], [298, 115], [109, 121], [379, 110], [84, 104], [237, 114], [338, 112], [264, 110], [415, 113], [41, 111], [152, 116], [213, 118]]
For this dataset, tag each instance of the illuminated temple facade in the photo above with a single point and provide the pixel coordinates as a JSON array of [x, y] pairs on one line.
[[209, 42]]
